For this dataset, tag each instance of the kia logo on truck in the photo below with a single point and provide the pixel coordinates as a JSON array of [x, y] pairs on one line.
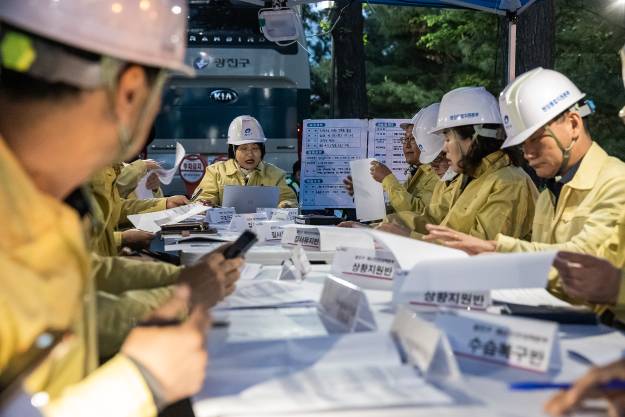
[[224, 96]]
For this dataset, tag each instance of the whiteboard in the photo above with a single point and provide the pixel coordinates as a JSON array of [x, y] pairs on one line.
[[327, 148], [385, 146]]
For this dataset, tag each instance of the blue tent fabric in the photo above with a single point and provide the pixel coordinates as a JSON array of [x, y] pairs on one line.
[[492, 6]]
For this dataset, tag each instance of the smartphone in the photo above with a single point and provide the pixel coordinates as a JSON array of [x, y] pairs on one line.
[[240, 246]]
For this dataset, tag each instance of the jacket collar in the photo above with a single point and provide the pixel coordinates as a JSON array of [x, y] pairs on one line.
[[588, 172], [491, 163]]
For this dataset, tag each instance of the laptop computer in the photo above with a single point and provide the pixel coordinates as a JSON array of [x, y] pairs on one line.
[[246, 199]]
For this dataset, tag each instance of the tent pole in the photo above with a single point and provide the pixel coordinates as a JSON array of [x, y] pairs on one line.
[[512, 22]]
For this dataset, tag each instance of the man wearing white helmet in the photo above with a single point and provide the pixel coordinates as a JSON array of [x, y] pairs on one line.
[[417, 190], [585, 194], [598, 280], [493, 194], [431, 152], [80, 83], [245, 165], [430, 147]]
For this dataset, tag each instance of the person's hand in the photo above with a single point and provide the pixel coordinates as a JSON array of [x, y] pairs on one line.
[[206, 203], [351, 224], [379, 171], [151, 164], [588, 387], [449, 237], [588, 278], [349, 185], [174, 354], [394, 229], [212, 277], [176, 200], [136, 239], [152, 183]]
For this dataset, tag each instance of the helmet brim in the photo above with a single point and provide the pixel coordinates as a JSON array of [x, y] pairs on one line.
[[183, 69], [246, 142]]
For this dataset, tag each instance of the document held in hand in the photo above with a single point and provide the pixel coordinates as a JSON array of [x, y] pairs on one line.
[[368, 193]]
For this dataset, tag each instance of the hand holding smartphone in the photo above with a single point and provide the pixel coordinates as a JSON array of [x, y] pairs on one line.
[[240, 246]]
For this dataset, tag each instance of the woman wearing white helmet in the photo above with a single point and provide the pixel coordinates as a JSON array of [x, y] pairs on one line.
[[493, 195], [245, 165]]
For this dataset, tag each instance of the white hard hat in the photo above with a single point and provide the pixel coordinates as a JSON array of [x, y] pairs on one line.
[[467, 106], [532, 100], [244, 130], [147, 32], [429, 144]]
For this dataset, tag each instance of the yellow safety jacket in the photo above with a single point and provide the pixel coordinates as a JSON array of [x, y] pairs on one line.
[[47, 285], [499, 198], [614, 251], [114, 210], [584, 217], [227, 173], [414, 193], [128, 289]]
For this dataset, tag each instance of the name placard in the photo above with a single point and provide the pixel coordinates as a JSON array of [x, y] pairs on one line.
[[425, 345], [346, 305], [366, 268], [220, 215], [308, 238], [517, 342], [241, 222]]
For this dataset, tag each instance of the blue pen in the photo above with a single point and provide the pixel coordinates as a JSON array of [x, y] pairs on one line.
[[531, 385]]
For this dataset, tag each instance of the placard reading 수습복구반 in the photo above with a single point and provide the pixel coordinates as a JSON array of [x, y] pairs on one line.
[[385, 136], [327, 148]]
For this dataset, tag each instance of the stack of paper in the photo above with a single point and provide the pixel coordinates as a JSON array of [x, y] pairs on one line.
[[152, 222], [267, 294], [252, 325], [313, 374], [535, 297], [323, 389]]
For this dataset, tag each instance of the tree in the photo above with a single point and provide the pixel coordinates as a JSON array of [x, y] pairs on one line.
[[350, 90], [415, 55], [589, 35], [536, 38]]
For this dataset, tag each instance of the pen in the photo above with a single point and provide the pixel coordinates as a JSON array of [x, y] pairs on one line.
[[196, 194], [532, 385]]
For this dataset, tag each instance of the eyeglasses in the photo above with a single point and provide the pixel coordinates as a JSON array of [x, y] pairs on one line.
[[408, 141]]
